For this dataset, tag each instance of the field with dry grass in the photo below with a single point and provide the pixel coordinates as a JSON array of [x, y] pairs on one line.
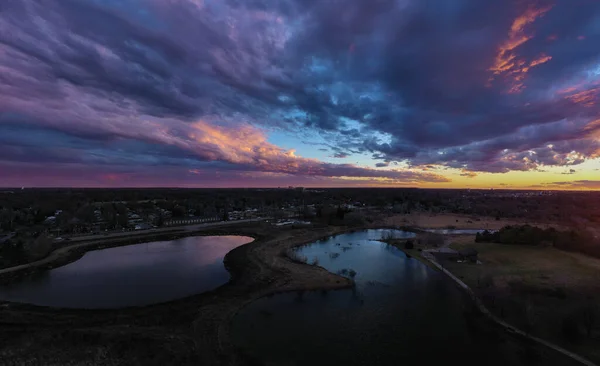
[[554, 294], [443, 221]]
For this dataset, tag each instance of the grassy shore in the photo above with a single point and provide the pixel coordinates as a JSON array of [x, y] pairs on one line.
[[542, 289], [415, 253]]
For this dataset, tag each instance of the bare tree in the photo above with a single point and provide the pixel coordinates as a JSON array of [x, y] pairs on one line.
[[589, 315], [39, 247]]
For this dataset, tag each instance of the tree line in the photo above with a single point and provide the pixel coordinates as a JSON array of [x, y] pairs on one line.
[[570, 240]]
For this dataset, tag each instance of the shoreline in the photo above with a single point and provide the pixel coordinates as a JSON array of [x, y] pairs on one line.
[[71, 253], [257, 269], [98, 242]]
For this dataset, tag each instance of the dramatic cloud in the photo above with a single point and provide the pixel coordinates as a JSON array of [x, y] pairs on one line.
[[201, 86], [201, 145]]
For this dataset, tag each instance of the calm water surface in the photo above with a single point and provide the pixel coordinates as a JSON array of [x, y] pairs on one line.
[[401, 312], [457, 231], [133, 275]]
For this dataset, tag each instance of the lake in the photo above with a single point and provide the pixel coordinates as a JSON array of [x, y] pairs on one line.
[[400, 312], [131, 275]]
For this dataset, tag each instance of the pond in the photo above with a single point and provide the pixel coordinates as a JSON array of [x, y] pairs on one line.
[[400, 312], [132, 275], [457, 231]]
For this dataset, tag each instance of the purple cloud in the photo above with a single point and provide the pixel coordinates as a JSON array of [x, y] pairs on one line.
[[490, 86]]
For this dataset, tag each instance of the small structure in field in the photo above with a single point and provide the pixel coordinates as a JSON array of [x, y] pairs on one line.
[[468, 254]]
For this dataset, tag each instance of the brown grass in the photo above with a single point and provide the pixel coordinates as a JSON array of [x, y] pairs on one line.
[[555, 284], [536, 265], [442, 221]]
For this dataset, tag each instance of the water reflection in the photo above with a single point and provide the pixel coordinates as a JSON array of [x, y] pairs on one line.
[[400, 312], [132, 275]]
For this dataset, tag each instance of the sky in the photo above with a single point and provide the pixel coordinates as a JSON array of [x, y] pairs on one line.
[[314, 93]]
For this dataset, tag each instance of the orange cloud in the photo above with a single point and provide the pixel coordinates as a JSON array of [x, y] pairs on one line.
[[583, 93], [468, 174], [248, 146], [594, 128], [586, 98], [540, 60], [507, 62]]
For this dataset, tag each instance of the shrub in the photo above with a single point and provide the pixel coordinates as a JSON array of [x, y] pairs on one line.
[[409, 244], [296, 257], [38, 248]]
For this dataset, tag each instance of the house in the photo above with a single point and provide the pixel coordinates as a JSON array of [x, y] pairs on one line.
[[468, 254], [143, 227]]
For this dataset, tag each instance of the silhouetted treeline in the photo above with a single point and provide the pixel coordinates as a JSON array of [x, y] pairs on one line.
[[24, 248], [28, 207], [571, 240]]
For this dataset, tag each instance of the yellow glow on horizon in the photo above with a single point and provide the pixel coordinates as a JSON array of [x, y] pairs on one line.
[[588, 171]]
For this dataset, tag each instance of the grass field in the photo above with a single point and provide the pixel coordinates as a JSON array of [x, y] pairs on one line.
[[541, 288], [537, 266]]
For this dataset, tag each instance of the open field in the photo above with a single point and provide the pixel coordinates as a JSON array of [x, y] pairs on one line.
[[443, 221], [542, 289]]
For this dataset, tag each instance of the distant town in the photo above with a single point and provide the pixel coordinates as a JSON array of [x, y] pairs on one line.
[[64, 213]]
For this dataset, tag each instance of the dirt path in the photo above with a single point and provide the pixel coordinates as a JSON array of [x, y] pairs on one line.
[[427, 254]]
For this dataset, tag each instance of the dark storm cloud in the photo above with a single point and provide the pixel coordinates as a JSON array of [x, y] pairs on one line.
[[474, 85], [340, 155], [219, 149]]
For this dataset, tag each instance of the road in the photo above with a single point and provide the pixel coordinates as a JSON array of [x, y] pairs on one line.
[[80, 242], [194, 227]]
